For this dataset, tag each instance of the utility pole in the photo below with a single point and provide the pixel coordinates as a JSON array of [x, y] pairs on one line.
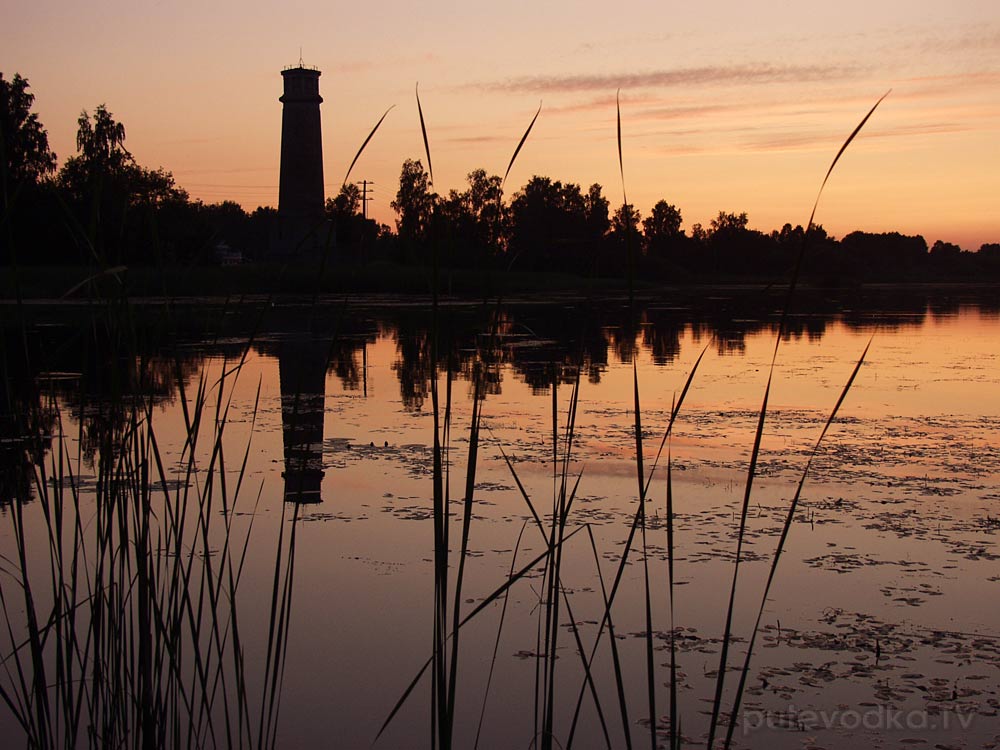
[[366, 192]]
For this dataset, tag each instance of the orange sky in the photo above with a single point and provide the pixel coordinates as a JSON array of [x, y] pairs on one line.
[[725, 106]]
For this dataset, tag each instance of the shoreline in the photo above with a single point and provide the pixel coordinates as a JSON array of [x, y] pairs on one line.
[[388, 283]]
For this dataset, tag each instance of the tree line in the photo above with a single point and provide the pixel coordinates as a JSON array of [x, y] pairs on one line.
[[549, 225], [103, 206]]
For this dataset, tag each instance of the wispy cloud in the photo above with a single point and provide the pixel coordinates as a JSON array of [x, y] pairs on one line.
[[693, 110], [629, 41], [756, 74], [221, 170], [660, 109], [596, 104], [947, 86], [191, 141], [810, 141], [472, 140], [388, 62], [679, 143], [982, 39]]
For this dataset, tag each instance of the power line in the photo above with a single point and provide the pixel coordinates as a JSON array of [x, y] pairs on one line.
[[366, 191], [260, 187]]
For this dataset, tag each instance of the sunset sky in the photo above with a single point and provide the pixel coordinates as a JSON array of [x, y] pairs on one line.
[[725, 105]]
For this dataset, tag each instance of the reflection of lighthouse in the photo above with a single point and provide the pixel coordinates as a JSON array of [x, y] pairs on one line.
[[302, 374]]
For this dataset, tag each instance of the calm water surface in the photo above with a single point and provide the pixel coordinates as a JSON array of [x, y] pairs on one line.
[[885, 599]]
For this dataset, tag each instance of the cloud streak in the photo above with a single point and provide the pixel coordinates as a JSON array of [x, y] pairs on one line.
[[474, 140], [811, 141], [983, 39], [712, 75], [353, 67]]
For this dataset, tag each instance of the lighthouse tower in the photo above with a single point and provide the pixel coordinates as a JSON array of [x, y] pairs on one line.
[[300, 190]]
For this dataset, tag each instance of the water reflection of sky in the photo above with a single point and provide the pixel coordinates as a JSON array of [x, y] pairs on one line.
[[895, 539]]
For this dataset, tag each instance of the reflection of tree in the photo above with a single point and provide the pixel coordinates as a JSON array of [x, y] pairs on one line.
[[469, 340], [728, 343], [891, 310], [110, 388], [560, 340], [662, 340], [106, 387], [344, 362], [815, 328], [539, 343], [83, 366], [623, 341], [811, 327], [487, 367], [412, 367], [26, 425]]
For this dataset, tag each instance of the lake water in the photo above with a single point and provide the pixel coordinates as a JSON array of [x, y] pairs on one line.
[[881, 628]]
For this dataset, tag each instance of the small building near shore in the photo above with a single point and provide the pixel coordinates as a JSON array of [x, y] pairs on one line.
[[226, 255]]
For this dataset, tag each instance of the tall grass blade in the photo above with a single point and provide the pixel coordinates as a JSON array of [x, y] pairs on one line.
[[615, 659], [587, 674], [627, 211], [751, 471], [115, 272], [618, 126], [520, 143], [786, 527], [800, 257], [496, 643], [478, 396], [423, 132], [483, 604], [740, 535], [843, 148], [520, 487], [560, 512], [365, 143], [675, 409], [671, 551], [609, 599], [640, 475]]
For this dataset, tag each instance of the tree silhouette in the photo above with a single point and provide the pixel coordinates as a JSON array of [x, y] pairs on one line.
[[124, 212], [25, 164], [25, 155], [597, 207], [347, 203], [662, 225], [101, 154], [115, 198], [415, 205], [945, 251], [550, 226], [728, 224], [482, 199], [625, 224], [355, 234], [735, 249], [102, 143], [885, 256], [471, 222], [665, 247]]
